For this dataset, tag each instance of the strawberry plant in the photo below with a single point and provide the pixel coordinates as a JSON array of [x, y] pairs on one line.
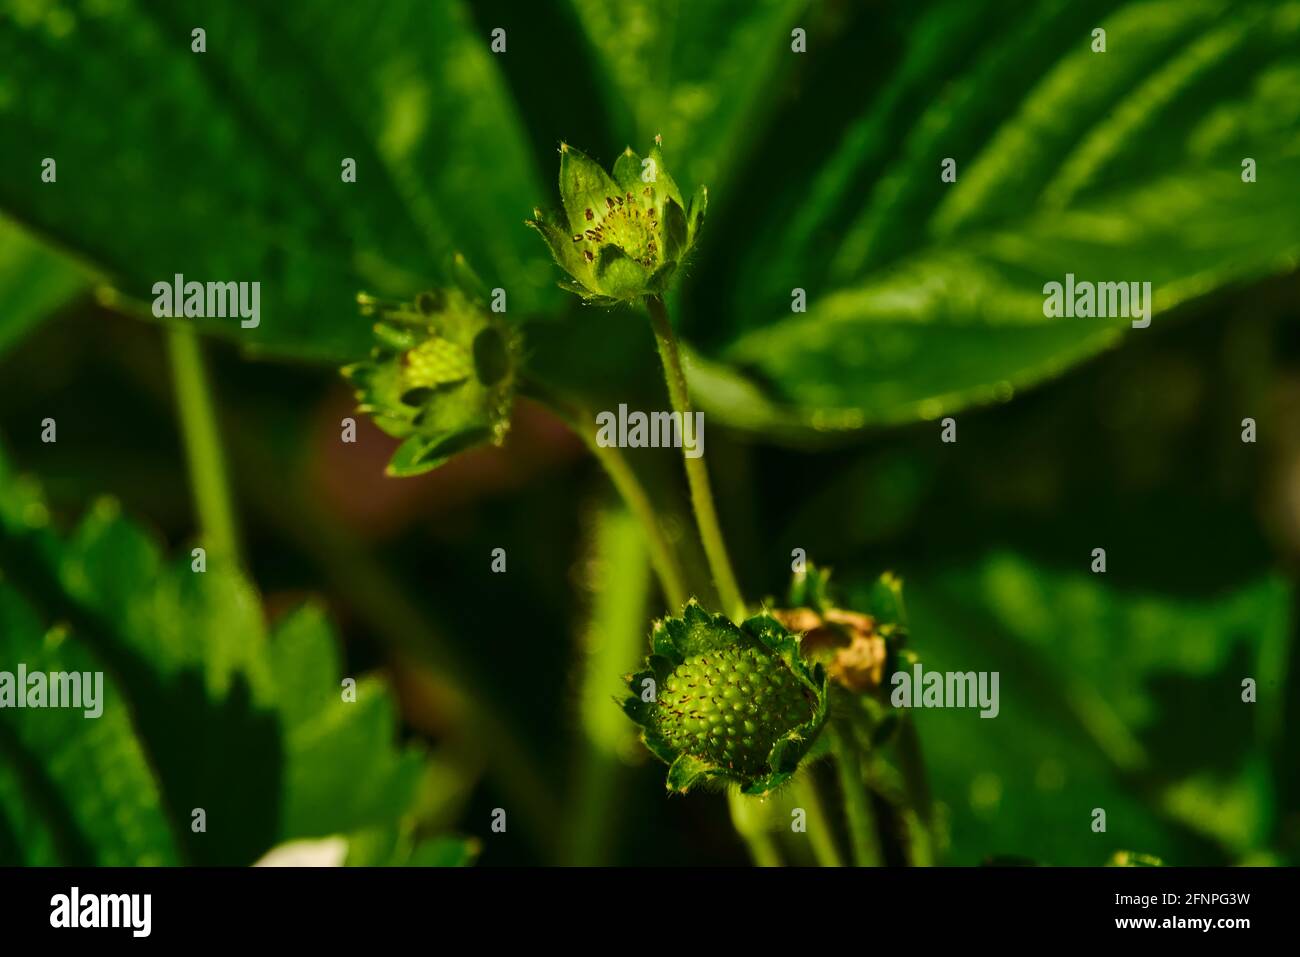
[[366, 583]]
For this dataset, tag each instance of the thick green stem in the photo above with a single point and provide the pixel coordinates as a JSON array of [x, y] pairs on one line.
[[697, 473], [857, 802], [203, 449], [629, 488], [819, 828], [750, 822]]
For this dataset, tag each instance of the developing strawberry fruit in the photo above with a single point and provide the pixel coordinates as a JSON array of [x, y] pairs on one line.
[[724, 702]]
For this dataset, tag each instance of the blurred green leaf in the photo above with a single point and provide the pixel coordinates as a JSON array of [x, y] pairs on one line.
[[694, 73], [51, 754], [202, 708], [226, 165], [444, 852], [1109, 698], [926, 297], [34, 282], [326, 792]]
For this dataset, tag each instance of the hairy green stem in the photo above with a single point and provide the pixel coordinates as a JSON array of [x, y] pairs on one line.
[[820, 837], [750, 823], [619, 581], [203, 449], [697, 473], [629, 487], [857, 802]]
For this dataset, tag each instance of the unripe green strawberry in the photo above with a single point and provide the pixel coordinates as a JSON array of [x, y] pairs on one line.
[[731, 706], [725, 702]]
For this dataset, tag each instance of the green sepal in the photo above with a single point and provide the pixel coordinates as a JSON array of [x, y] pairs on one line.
[[467, 279], [674, 227], [584, 185], [810, 588], [397, 338], [686, 771], [618, 276], [413, 458], [790, 748], [695, 632], [634, 706], [665, 185], [627, 171], [660, 667], [565, 252], [419, 454], [661, 277], [695, 213], [885, 602]]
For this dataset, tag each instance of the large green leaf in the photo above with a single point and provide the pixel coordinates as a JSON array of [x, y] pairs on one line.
[[1108, 697], [926, 296], [226, 165], [202, 707]]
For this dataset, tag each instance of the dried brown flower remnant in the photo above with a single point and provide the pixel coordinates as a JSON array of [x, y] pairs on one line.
[[847, 641]]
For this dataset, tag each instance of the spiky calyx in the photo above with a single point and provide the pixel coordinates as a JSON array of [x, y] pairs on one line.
[[721, 702], [620, 237]]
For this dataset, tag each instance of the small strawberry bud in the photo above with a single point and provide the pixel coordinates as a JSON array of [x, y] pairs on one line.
[[622, 236]]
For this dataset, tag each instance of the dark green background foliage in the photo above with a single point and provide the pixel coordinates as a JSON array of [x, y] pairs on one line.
[[1119, 691]]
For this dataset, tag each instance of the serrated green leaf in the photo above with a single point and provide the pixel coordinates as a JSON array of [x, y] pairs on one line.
[[192, 717], [342, 771], [51, 753]]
